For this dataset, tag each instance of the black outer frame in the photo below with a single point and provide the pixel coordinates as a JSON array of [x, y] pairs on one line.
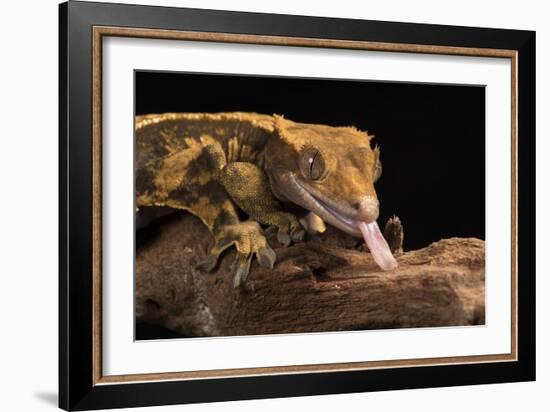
[[76, 389]]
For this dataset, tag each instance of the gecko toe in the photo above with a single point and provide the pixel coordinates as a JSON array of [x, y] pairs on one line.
[[208, 264], [284, 238], [249, 241], [266, 257], [271, 231], [211, 260], [241, 268], [298, 235]]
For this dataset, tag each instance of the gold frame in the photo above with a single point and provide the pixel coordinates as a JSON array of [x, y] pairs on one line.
[[101, 31]]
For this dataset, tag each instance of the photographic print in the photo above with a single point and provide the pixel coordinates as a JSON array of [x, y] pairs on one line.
[[271, 205], [257, 206]]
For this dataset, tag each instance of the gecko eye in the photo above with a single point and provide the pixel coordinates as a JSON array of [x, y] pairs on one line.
[[312, 164]]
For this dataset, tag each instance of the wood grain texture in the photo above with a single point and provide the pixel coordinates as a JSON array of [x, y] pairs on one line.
[[299, 41], [316, 286]]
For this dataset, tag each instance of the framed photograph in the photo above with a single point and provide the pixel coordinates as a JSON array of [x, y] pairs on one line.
[[257, 205]]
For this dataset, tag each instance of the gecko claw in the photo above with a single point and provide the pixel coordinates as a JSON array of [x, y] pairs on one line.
[[286, 234], [393, 233], [298, 235], [211, 260], [249, 240], [266, 257], [208, 264], [283, 238], [271, 231], [241, 268]]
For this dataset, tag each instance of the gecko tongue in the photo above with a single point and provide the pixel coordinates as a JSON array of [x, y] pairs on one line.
[[377, 245]]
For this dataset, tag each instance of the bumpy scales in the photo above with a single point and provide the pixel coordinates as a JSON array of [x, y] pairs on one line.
[[212, 164]]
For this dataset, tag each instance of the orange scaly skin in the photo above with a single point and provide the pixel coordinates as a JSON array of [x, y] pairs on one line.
[[212, 164]]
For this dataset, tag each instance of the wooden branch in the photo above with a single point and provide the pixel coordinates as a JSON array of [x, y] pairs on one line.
[[315, 286]]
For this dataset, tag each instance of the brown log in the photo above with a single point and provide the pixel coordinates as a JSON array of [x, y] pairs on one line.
[[317, 285]]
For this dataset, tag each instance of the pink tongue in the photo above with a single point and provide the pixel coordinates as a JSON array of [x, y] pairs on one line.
[[377, 245]]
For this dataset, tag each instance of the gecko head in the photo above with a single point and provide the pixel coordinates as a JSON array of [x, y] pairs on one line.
[[331, 172]]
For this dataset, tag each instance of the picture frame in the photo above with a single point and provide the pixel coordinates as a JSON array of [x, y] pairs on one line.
[[83, 27]]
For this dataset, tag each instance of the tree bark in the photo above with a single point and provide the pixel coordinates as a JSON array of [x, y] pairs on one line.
[[318, 285]]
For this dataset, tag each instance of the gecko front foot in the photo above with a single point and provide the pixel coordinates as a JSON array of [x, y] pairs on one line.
[[286, 227], [249, 240], [393, 233]]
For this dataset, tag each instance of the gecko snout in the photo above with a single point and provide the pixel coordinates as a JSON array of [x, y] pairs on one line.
[[367, 209]]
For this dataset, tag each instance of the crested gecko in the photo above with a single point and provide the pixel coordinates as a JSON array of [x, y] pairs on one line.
[[211, 164]]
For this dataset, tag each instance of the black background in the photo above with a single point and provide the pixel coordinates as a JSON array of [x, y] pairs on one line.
[[432, 137]]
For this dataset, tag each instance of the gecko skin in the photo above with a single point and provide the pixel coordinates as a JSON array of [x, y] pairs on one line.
[[213, 164]]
